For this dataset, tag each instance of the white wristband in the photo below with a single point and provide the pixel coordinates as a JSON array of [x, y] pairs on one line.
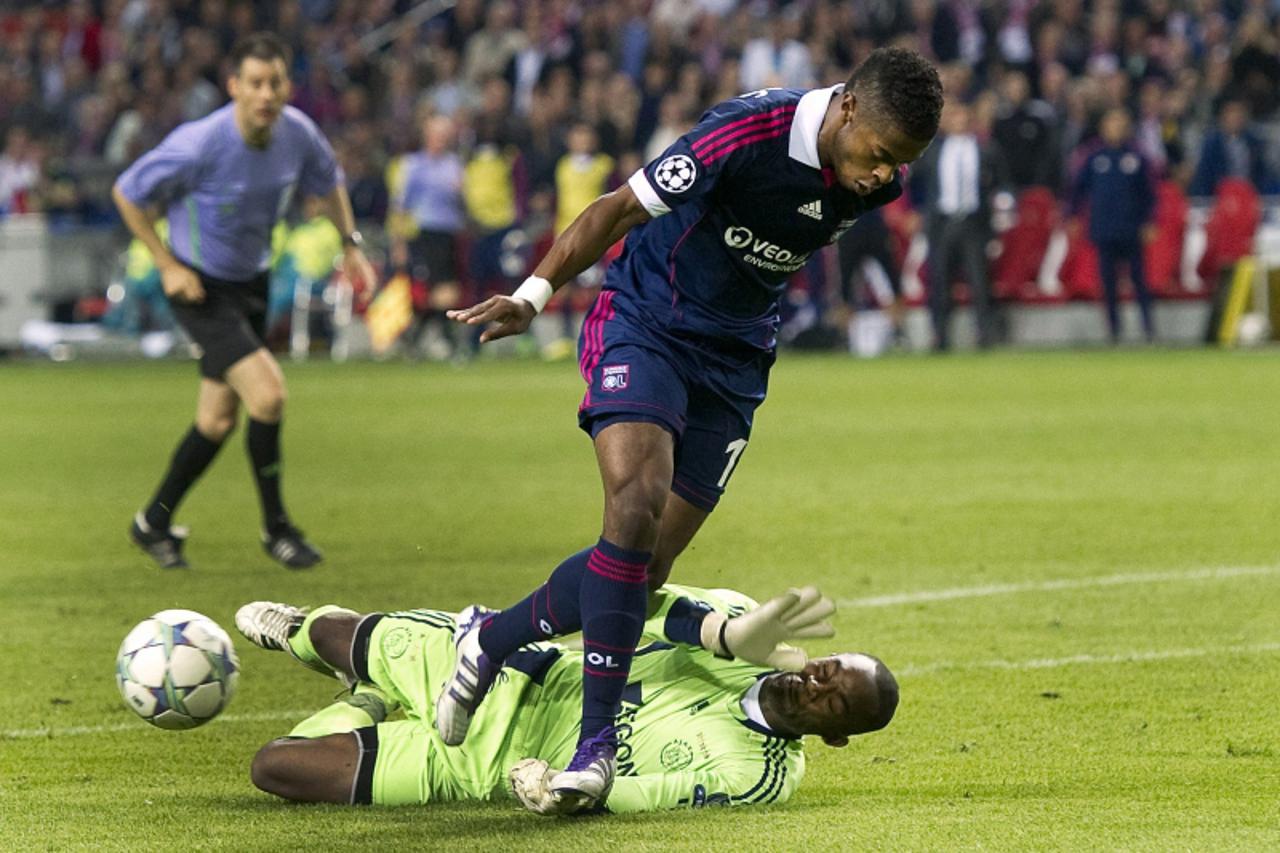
[[536, 291]]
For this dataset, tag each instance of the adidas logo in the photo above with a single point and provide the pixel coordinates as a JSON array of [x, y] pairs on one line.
[[812, 209]]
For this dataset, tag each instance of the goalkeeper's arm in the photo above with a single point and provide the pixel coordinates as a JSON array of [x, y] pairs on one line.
[[731, 625]]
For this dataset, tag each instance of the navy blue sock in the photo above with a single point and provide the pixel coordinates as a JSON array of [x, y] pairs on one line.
[[551, 611], [684, 622], [613, 601]]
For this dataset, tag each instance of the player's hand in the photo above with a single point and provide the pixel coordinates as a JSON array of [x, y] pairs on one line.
[[181, 283], [759, 636], [531, 783], [358, 270], [505, 315]]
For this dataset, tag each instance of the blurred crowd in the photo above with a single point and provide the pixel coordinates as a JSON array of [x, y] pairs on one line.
[[492, 115]]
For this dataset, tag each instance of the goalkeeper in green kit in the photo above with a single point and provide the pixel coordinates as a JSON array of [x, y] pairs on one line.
[[713, 712]]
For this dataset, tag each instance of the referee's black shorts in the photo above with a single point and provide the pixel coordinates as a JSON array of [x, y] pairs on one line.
[[433, 256], [230, 324]]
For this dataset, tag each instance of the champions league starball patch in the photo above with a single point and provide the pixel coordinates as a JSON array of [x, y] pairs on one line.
[[615, 377], [676, 173]]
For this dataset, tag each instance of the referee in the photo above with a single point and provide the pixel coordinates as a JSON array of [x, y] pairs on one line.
[[225, 180]]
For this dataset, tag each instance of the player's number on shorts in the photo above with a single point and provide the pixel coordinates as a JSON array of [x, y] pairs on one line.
[[734, 449]]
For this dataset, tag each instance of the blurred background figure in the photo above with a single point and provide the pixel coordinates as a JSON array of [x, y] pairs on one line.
[[870, 275], [583, 174], [429, 201], [1026, 132], [1232, 150], [777, 57], [1115, 189], [954, 184]]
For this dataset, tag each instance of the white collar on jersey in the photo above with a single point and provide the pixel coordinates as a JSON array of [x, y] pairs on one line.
[[751, 704], [806, 123]]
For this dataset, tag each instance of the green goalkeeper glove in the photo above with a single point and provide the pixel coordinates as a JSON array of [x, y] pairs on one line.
[[759, 636]]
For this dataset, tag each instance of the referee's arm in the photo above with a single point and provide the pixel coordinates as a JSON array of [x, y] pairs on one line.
[[179, 280], [337, 207]]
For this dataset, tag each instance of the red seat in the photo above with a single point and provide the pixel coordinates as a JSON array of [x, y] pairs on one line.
[[1081, 279], [1237, 212], [1022, 247], [1163, 255]]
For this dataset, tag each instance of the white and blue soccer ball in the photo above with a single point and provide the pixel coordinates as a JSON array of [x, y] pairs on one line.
[[177, 669]]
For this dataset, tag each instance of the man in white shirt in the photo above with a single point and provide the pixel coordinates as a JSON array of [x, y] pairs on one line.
[[952, 186]]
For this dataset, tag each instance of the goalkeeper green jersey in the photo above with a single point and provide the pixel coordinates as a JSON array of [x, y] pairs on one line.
[[684, 738]]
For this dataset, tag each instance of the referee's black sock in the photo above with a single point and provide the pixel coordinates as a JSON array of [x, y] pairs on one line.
[[192, 456], [263, 443]]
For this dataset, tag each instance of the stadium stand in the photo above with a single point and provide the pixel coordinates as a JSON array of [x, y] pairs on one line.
[[86, 86]]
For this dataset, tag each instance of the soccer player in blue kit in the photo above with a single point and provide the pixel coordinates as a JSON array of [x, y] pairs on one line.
[[676, 352], [225, 180]]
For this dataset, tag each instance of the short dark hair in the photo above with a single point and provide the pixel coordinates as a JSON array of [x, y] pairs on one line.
[[887, 686], [261, 45], [903, 86]]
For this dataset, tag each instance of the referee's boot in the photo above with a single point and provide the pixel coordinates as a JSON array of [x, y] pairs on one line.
[[287, 546], [162, 546]]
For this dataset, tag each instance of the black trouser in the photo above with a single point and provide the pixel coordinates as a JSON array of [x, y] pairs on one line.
[[1110, 254], [961, 239], [868, 239]]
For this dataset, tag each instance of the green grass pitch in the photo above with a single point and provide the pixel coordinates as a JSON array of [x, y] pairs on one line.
[[1071, 560]]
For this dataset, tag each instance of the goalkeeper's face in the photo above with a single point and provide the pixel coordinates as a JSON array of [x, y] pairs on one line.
[[835, 697]]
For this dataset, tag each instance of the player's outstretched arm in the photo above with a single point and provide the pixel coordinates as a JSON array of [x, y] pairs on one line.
[[731, 625], [605, 221]]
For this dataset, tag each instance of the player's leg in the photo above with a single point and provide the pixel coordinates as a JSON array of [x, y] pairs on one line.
[[322, 639], [259, 382], [215, 419], [395, 763], [633, 391], [715, 437], [681, 520], [311, 770], [636, 461]]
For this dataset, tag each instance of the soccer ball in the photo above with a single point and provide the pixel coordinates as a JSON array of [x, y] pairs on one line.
[[177, 669]]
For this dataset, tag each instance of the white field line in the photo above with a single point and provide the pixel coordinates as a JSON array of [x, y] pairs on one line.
[[906, 671], [1074, 660], [954, 593], [139, 726], [989, 590]]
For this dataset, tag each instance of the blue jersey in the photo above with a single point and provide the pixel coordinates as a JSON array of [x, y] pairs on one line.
[[224, 196], [1116, 181], [739, 204]]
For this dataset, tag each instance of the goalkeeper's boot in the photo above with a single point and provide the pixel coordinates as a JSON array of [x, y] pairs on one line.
[[269, 624], [585, 784], [473, 675], [163, 546]]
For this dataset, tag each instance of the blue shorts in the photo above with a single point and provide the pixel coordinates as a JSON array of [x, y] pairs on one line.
[[703, 395]]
